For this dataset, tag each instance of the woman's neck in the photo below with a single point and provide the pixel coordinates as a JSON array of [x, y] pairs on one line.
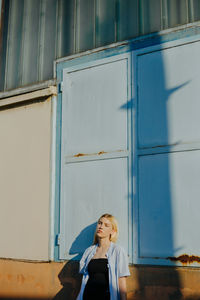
[[102, 249], [103, 243]]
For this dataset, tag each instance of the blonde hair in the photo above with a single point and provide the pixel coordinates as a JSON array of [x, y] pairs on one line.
[[114, 223]]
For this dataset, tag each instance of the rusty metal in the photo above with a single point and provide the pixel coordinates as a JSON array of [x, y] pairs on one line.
[[80, 154], [101, 152], [96, 156], [84, 154], [186, 259]]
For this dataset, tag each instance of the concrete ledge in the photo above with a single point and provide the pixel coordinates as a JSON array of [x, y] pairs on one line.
[[43, 93]]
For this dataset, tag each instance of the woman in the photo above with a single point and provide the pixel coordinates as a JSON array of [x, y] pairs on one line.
[[104, 265]]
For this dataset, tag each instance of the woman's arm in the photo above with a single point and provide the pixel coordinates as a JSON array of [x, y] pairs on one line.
[[122, 288]]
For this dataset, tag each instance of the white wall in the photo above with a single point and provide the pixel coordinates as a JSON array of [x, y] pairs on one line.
[[24, 181]]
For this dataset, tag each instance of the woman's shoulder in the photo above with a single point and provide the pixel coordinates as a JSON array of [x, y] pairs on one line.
[[88, 250], [121, 260], [118, 248]]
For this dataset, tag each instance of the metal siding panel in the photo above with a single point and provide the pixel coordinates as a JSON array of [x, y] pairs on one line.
[[49, 48], [66, 27], [3, 47], [177, 12], [105, 22], [14, 45], [194, 10], [164, 15], [85, 27], [114, 20], [29, 54], [169, 96], [127, 21], [150, 16], [41, 39]]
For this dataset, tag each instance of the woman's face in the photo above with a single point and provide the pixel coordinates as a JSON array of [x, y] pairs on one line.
[[104, 228]]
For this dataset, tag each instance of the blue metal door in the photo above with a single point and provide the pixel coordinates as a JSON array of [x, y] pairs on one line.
[[168, 152], [95, 151]]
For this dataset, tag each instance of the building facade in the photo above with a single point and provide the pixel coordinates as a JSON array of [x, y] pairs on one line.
[[99, 105]]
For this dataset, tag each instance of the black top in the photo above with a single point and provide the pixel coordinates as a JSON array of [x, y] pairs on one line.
[[97, 286]]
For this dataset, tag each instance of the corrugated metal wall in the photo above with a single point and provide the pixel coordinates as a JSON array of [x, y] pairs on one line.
[[36, 32]]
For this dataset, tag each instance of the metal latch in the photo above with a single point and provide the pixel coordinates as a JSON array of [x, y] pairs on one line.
[[60, 87], [58, 239]]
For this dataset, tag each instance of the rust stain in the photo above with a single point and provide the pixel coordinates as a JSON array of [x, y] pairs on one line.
[[185, 258], [101, 152], [90, 154], [79, 154], [84, 154]]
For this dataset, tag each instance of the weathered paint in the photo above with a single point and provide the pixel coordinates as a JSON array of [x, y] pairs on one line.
[[58, 281], [80, 154], [85, 154], [186, 259], [27, 279], [99, 153]]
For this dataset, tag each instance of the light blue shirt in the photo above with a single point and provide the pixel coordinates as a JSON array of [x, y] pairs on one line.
[[117, 266]]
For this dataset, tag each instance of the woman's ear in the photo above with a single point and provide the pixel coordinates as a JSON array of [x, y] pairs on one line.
[[112, 235]]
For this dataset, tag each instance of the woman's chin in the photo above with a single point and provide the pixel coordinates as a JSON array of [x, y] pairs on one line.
[[99, 234]]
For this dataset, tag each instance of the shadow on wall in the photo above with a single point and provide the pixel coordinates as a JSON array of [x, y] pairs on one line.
[[69, 276], [155, 224], [83, 241], [70, 279]]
